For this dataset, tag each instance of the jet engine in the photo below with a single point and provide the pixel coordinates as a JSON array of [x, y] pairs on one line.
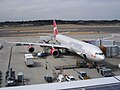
[[55, 52], [84, 55], [31, 49]]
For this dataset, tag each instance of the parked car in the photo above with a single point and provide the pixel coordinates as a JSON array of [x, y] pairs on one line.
[[60, 78], [48, 78], [83, 75], [69, 78]]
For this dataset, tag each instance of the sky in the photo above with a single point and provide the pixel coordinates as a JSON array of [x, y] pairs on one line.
[[22, 10]]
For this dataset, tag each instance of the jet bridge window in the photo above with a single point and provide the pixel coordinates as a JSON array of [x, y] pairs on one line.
[[99, 53]]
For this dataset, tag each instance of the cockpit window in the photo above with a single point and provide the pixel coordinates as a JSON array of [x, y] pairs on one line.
[[99, 53]]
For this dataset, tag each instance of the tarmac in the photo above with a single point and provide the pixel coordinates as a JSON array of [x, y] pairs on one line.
[[41, 30], [35, 74]]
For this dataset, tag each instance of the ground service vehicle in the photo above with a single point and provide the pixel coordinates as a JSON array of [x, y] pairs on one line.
[[83, 75], [29, 59], [106, 72], [10, 78], [20, 76], [42, 55], [100, 68], [81, 64]]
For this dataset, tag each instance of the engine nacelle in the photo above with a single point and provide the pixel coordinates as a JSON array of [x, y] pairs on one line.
[[31, 49], [84, 56], [55, 52]]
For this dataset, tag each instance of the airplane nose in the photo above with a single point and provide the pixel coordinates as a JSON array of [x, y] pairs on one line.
[[101, 58]]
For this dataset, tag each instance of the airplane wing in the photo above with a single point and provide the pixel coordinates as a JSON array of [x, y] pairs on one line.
[[40, 44]]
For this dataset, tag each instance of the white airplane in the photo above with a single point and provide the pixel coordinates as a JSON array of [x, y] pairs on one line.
[[86, 50]]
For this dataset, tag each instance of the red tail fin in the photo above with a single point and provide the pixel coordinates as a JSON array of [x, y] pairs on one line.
[[55, 28]]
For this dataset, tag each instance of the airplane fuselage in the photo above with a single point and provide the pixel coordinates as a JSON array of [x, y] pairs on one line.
[[86, 50]]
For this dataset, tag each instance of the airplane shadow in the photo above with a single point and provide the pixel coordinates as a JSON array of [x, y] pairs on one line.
[[63, 55], [37, 64], [25, 53]]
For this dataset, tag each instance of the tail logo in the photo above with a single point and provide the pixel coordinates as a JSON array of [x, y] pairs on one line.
[[55, 28]]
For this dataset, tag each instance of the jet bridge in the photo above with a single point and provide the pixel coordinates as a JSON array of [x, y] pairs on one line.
[[109, 47]]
